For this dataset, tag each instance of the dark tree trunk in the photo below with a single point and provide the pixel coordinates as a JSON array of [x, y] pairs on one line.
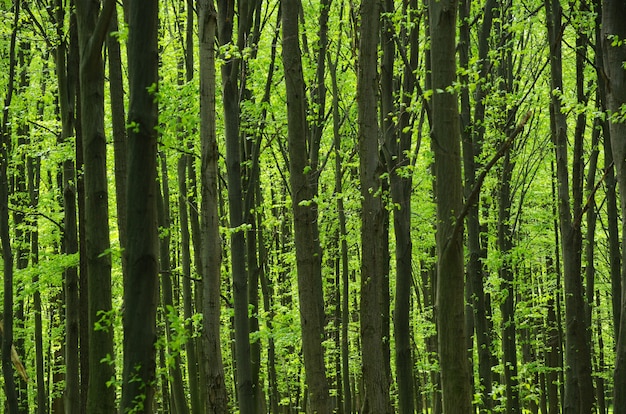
[[92, 29], [66, 78], [303, 181], [445, 133], [614, 53], [615, 263], [343, 253], [215, 388], [141, 284], [579, 394], [472, 134], [184, 164], [231, 71], [179, 401], [33, 171], [373, 265], [397, 145], [118, 123], [5, 241]]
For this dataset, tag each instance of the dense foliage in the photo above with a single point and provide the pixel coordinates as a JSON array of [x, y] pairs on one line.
[[297, 205]]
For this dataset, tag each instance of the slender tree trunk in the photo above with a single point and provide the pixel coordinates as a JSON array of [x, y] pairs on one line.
[[231, 99], [505, 245], [373, 266], [614, 53], [167, 294], [5, 241], [33, 171], [396, 148], [473, 131], [92, 29], [141, 284], [118, 123], [21, 234], [184, 164], [343, 254], [216, 397], [615, 263], [579, 394], [450, 303], [303, 181], [66, 78]]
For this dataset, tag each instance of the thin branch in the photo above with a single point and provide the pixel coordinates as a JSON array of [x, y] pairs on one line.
[[37, 213], [39, 125], [473, 196], [587, 205]]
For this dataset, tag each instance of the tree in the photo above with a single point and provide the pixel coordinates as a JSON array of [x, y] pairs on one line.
[[142, 282], [231, 72], [614, 53], [5, 239], [303, 180], [216, 398], [373, 264], [579, 395], [445, 136], [92, 30]]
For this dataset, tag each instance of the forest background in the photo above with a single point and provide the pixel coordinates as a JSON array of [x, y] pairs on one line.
[[313, 206]]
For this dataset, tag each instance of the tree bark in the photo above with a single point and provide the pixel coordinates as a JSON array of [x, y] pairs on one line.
[[614, 53], [342, 236], [579, 394], [5, 239], [231, 99], [167, 295], [118, 124], [445, 136], [92, 28], [141, 284], [303, 181], [397, 145], [67, 96], [373, 266], [216, 398]]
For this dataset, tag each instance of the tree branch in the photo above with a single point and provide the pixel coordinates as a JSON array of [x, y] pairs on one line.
[[37, 213], [473, 196], [101, 30], [587, 205]]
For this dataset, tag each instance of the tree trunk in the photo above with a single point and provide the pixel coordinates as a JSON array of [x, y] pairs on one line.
[[397, 145], [167, 295], [343, 253], [5, 240], [184, 164], [92, 29], [231, 100], [33, 171], [472, 134], [303, 181], [373, 266], [613, 34], [579, 394], [216, 398], [118, 123], [141, 284], [450, 303], [66, 78]]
